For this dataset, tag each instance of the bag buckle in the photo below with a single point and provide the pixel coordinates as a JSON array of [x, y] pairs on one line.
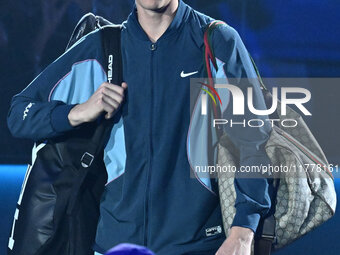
[[271, 238], [268, 229], [86, 160]]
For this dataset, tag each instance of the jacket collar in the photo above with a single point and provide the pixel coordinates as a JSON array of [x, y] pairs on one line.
[[135, 28]]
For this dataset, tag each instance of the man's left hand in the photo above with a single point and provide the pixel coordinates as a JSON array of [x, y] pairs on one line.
[[238, 242]]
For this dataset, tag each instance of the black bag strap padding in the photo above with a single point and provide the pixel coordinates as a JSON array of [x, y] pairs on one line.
[[112, 53], [114, 67]]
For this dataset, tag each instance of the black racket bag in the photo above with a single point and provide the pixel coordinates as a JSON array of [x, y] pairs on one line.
[[58, 208]]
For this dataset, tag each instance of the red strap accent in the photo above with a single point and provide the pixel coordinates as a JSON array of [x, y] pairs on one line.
[[209, 56]]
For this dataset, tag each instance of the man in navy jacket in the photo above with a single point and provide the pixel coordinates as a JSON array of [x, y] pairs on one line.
[[150, 198]]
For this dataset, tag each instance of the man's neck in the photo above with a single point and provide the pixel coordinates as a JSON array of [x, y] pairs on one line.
[[156, 22]]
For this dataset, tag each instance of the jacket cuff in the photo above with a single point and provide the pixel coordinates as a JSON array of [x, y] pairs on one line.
[[246, 217], [59, 118]]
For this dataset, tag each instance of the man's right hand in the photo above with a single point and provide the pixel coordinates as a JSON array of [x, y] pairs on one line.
[[107, 99]]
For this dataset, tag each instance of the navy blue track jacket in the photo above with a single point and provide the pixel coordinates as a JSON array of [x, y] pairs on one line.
[[150, 198]]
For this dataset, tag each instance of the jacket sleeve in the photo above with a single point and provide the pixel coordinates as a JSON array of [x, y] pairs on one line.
[[34, 113], [252, 190]]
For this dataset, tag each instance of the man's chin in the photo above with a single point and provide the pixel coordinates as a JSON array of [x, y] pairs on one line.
[[155, 6]]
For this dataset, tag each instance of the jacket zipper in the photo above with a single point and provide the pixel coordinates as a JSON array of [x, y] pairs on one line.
[[148, 175]]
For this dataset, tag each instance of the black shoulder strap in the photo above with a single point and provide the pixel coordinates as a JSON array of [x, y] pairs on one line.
[[209, 51], [112, 53], [114, 68], [110, 37]]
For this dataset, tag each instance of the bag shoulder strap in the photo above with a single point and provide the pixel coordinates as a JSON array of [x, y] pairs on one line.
[[111, 45], [112, 52], [263, 243], [111, 35], [209, 51]]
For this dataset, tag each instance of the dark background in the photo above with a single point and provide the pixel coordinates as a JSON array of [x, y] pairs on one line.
[[299, 38]]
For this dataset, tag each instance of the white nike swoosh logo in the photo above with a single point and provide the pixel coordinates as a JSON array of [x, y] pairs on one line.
[[183, 75]]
